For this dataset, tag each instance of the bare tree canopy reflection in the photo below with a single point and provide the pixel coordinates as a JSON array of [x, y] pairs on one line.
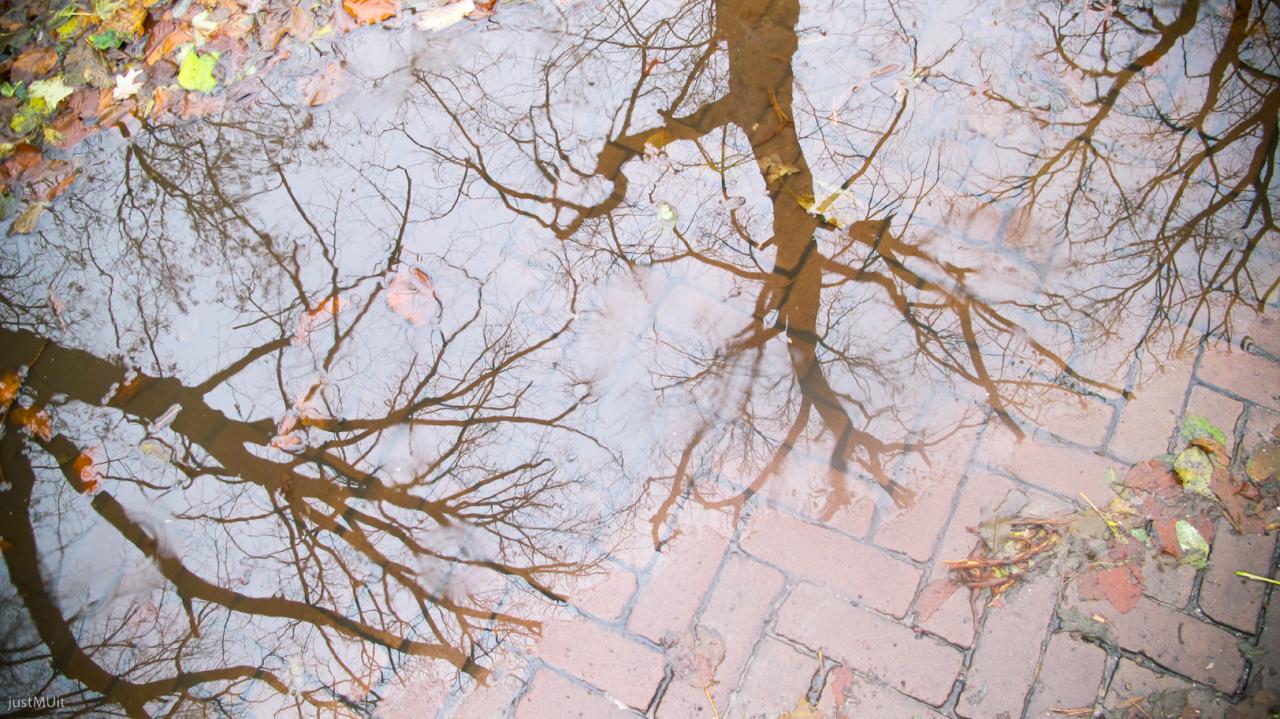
[[329, 393]]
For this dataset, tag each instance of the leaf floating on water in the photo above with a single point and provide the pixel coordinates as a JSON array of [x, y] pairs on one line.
[[33, 63], [332, 84], [34, 420], [1195, 550], [165, 419], [10, 383], [412, 295], [1195, 469], [196, 72], [438, 18], [52, 91], [26, 223], [128, 84], [368, 12], [86, 469], [885, 70], [1264, 464]]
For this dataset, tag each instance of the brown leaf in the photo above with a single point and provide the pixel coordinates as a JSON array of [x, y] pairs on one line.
[[33, 63], [1264, 464], [332, 84], [168, 44], [1153, 476], [1213, 448], [932, 597], [1121, 586], [368, 12], [26, 222]]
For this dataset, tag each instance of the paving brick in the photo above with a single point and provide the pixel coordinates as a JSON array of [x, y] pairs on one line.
[[1068, 678], [1072, 416], [804, 486], [870, 644], [1266, 668], [1063, 470], [1263, 332], [677, 582], [982, 493], [1225, 597], [1255, 378], [604, 595], [553, 697], [739, 606], [486, 702], [608, 660], [867, 699], [1260, 425], [1131, 680], [1148, 420], [1222, 411], [777, 677], [1004, 664], [914, 530], [1167, 581], [851, 568], [1188, 646]]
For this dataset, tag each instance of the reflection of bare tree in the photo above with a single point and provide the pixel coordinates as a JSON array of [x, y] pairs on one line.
[[377, 519], [1164, 172]]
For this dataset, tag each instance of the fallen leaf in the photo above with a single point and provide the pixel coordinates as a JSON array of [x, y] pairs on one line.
[[1121, 586], [163, 44], [52, 91], [33, 63], [1153, 476], [85, 468], [1195, 548], [438, 18], [1193, 426], [302, 24], [1213, 448], [412, 296], [697, 655], [332, 84], [1195, 469], [368, 12], [196, 72], [27, 222], [10, 383], [841, 681], [1264, 463], [34, 420], [128, 84]]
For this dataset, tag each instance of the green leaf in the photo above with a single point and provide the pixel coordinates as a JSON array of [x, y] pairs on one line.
[[9, 89], [1195, 469], [1196, 426], [1195, 550], [1139, 534], [106, 40], [52, 91], [196, 72]]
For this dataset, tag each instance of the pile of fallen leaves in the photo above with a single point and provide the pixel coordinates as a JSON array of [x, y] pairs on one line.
[[1164, 508], [76, 68]]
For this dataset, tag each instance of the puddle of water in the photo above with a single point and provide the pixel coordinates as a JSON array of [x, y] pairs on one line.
[[370, 385]]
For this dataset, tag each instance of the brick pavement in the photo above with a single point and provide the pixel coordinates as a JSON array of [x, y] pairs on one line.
[[796, 601]]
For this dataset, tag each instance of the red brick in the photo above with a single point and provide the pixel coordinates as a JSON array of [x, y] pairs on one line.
[[1058, 469], [1069, 677], [1255, 378], [487, 701], [1267, 667], [1229, 599], [1190, 647], [613, 663], [1260, 426], [1166, 580], [742, 599], [1004, 664], [1148, 420], [554, 697], [1221, 411], [1132, 680], [868, 699], [776, 678], [803, 486], [677, 582], [870, 644], [915, 530], [847, 566]]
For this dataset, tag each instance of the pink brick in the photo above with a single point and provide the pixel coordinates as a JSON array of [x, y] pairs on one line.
[[915, 530], [487, 701], [604, 594], [1255, 378], [1172, 639], [554, 696], [804, 486], [1260, 426], [740, 603], [1004, 664], [868, 699], [855, 570], [1058, 469], [1222, 411], [776, 678], [678, 581], [1229, 599], [1131, 681], [1166, 580], [1069, 677], [870, 644], [1148, 420], [620, 666], [1071, 416]]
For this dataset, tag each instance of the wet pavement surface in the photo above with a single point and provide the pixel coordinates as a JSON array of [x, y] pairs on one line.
[[620, 359]]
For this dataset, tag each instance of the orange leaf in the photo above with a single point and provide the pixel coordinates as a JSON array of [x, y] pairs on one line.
[[35, 420], [9, 385], [367, 12], [85, 467], [33, 63]]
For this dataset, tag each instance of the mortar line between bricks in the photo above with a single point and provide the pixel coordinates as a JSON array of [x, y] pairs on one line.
[[1044, 648]]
